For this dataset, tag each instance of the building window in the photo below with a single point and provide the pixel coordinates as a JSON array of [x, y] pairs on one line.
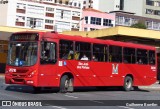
[[157, 12], [70, 3], [35, 10], [49, 15], [49, 21], [127, 21], [49, 9], [85, 29], [63, 14], [149, 2], [119, 20], [149, 11], [63, 26], [75, 4], [79, 5], [155, 25], [86, 20], [34, 22], [66, 2], [92, 29], [107, 22], [60, 1], [48, 27], [95, 20], [149, 24], [134, 21]]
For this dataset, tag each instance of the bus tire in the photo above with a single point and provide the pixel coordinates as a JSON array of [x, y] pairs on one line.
[[66, 84], [128, 82]]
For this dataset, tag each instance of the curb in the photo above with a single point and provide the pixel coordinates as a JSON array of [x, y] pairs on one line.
[[155, 86]]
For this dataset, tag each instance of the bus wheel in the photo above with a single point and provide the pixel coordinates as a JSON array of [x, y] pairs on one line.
[[128, 82], [70, 88], [66, 84]]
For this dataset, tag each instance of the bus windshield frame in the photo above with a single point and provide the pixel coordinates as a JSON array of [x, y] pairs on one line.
[[22, 53]]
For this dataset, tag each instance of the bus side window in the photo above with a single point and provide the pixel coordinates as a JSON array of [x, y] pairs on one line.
[[82, 49], [152, 57], [76, 55], [129, 55], [142, 56], [115, 54], [48, 53], [66, 49], [100, 53]]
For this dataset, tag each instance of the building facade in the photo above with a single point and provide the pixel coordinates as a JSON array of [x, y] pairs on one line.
[[40, 15], [145, 8], [93, 20], [74, 3], [128, 19]]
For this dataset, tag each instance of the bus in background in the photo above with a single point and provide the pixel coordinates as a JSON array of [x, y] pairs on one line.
[[49, 59], [3, 55]]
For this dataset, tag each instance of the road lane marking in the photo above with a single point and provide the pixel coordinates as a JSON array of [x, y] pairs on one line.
[[125, 107], [55, 106], [59, 107], [97, 101], [70, 96]]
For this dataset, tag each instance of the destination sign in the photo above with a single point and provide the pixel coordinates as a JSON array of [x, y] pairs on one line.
[[25, 37]]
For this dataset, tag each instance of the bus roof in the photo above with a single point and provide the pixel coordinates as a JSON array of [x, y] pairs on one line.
[[87, 39]]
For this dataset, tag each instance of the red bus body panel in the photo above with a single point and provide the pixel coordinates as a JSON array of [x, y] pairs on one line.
[[85, 73]]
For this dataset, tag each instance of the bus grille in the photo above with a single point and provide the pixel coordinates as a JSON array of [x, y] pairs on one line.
[[18, 75], [18, 80], [21, 71]]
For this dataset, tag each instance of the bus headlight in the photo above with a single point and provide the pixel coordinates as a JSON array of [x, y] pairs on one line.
[[32, 74], [7, 73]]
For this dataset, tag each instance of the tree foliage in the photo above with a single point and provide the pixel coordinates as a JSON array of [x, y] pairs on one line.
[[139, 25]]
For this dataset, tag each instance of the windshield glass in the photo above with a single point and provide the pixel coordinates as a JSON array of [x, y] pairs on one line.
[[22, 53]]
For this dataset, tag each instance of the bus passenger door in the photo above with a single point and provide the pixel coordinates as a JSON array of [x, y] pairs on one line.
[[158, 66], [47, 68]]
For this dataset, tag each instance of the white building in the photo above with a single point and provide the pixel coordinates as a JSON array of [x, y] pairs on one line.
[[106, 5], [74, 3], [145, 8], [39, 15]]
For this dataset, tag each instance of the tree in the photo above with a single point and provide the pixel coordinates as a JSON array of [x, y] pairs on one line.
[[139, 25]]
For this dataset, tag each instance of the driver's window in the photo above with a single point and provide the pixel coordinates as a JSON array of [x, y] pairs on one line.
[[48, 53]]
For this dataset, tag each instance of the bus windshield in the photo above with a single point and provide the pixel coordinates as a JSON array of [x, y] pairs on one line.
[[22, 53]]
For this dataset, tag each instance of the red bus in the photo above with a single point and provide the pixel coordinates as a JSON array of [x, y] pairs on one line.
[[49, 59]]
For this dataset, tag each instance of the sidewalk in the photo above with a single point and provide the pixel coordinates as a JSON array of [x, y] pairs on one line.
[[155, 86]]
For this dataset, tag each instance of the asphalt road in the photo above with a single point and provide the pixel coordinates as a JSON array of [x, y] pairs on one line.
[[86, 98]]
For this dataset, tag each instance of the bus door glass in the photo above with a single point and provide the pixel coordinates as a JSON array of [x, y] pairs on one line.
[[48, 53]]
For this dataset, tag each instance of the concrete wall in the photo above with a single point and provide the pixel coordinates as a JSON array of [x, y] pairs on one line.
[[106, 5], [135, 6], [3, 14]]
